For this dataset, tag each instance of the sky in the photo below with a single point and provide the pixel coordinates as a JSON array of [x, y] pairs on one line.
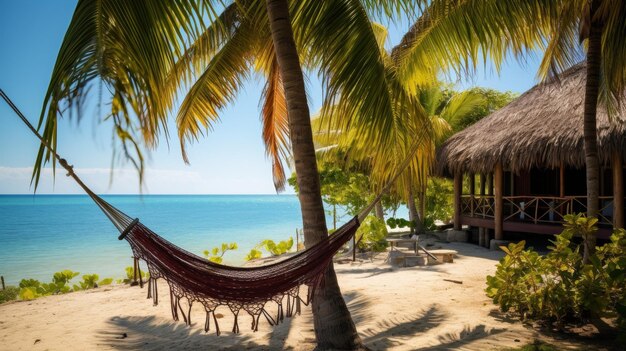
[[228, 160]]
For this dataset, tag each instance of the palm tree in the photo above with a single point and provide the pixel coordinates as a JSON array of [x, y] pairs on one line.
[[431, 107], [457, 33], [445, 110], [145, 53]]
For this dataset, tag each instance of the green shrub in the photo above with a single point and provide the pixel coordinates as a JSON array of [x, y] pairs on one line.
[[130, 276], [558, 287], [253, 254], [394, 223], [30, 289], [276, 249], [9, 294], [439, 199], [216, 254], [106, 281], [371, 234]]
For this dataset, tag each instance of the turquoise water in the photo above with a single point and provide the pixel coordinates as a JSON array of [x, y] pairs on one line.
[[42, 234]]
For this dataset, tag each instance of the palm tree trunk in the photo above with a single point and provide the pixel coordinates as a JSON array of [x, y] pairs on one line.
[[413, 214], [422, 201], [380, 213], [594, 54], [334, 328]]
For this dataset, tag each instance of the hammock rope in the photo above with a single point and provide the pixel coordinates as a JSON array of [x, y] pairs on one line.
[[198, 280]]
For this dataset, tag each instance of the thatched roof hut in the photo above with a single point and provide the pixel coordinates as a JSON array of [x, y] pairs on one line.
[[542, 128]]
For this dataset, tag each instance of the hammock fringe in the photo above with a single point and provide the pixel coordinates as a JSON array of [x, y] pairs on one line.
[[292, 298]]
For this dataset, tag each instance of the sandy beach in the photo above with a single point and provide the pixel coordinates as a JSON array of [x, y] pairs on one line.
[[410, 308]]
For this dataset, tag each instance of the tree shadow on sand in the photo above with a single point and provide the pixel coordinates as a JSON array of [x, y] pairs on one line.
[[394, 331], [152, 333], [469, 334]]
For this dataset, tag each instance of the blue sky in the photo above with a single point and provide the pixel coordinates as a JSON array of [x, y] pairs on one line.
[[230, 160]]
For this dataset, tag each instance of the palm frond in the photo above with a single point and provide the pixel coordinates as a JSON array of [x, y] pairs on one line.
[[217, 86], [127, 48], [275, 125]]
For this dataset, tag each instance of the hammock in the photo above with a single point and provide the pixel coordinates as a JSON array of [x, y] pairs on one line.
[[200, 281]]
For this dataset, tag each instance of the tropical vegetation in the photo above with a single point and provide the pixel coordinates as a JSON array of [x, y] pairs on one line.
[[559, 287], [457, 35], [144, 57], [30, 289], [145, 53]]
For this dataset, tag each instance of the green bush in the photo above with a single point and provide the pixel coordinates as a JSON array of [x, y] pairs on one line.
[[90, 281], [130, 276], [9, 294], [253, 254], [30, 289], [371, 234], [439, 199], [558, 287], [216, 254], [394, 223], [276, 249]]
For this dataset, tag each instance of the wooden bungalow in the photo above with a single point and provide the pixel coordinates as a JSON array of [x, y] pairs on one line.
[[525, 163]]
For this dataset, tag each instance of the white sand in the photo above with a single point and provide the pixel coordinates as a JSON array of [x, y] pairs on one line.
[[394, 308]]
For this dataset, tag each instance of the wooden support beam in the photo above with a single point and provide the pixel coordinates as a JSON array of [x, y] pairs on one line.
[[499, 235], [472, 191], [483, 179], [483, 235], [458, 189], [618, 191]]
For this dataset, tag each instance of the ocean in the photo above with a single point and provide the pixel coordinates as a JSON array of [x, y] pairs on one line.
[[43, 234]]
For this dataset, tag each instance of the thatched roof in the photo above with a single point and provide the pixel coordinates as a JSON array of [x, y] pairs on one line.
[[541, 128]]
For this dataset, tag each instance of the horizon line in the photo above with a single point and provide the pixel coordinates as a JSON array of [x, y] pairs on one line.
[[140, 194]]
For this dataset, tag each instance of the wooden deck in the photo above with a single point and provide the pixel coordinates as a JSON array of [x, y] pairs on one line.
[[526, 227]]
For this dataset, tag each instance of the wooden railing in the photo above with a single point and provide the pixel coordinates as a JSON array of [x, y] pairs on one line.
[[534, 209]]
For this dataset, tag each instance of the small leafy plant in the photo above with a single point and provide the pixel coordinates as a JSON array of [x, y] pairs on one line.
[[253, 254], [371, 234], [30, 289], [271, 247], [276, 249], [9, 294], [558, 287], [217, 253], [90, 281], [130, 276]]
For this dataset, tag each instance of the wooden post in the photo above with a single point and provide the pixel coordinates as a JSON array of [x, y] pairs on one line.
[[618, 191], [458, 189], [3, 287], [472, 191], [482, 232], [297, 240], [498, 201]]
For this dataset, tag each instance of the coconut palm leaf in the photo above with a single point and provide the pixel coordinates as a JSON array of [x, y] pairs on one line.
[[217, 86], [126, 47]]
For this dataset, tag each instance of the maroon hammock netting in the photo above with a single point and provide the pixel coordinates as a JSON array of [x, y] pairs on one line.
[[199, 280]]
